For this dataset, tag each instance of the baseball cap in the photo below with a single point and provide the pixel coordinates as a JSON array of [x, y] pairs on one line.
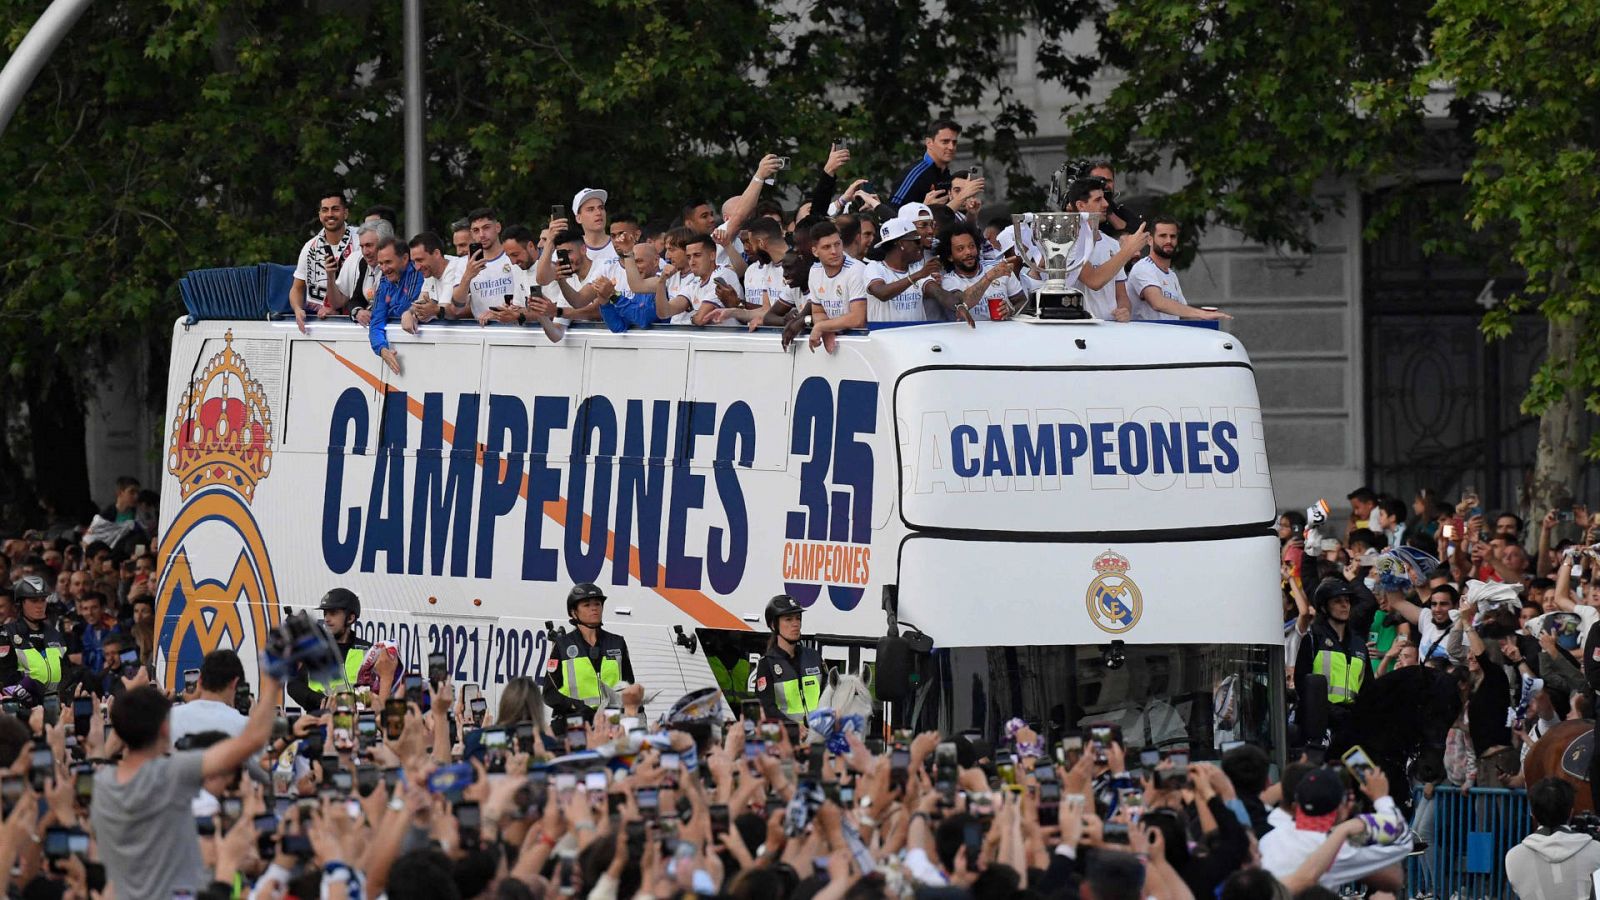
[[585, 196], [914, 212], [1319, 792], [895, 229]]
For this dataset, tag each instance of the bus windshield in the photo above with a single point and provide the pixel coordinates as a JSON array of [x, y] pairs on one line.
[[1198, 696]]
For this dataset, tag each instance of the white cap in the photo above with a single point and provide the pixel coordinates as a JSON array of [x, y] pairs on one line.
[[585, 196], [913, 212], [894, 230], [1006, 240]]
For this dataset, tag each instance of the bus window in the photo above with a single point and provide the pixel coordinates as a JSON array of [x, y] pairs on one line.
[[1195, 696]]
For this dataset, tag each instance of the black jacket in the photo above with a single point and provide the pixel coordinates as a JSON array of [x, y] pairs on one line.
[[570, 645], [300, 690]]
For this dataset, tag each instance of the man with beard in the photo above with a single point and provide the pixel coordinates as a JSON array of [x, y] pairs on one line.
[[1152, 285], [968, 289], [320, 258], [1105, 286]]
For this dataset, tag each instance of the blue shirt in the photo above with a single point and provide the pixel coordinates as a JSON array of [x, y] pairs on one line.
[[391, 302], [630, 311]]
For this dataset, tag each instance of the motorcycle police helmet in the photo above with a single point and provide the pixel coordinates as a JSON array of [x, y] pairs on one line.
[[588, 590], [780, 606], [341, 600], [1331, 588], [30, 587]]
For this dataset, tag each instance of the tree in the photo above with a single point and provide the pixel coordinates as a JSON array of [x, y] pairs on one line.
[[1254, 103], [1531, 77], [1258, 106], [167, 137]]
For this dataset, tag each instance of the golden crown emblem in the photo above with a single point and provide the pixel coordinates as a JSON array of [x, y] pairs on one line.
[[222, 433], [1111, 563]]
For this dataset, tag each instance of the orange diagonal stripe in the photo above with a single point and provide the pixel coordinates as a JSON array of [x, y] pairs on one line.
[[701, 608]]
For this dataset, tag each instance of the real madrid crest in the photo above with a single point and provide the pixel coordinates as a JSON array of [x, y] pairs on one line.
[[215, 587], [1114, 601]]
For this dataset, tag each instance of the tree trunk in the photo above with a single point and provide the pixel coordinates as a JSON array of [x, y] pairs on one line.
[[60, 457], [1556, 462]]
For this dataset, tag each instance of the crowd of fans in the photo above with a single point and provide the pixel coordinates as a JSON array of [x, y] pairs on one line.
[[838, 260], [410, 787], [1503, 615]]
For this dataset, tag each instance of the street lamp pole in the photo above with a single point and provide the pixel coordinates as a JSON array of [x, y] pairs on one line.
[[416, 217], [33, 52]]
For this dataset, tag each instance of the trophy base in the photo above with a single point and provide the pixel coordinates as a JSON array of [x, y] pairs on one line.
[[1060, 304]]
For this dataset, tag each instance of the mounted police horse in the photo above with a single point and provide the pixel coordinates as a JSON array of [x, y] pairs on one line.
[[1401, 717], [1566, 752]]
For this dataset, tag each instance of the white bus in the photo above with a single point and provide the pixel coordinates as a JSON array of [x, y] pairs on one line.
[[1077, 514]]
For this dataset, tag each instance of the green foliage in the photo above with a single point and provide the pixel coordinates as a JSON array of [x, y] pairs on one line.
[[1257, 103], [1531, 76]]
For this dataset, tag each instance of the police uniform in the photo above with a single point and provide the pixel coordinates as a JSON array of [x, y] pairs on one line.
[[37, 653], [311, 694], [576, 669], [789, 686]]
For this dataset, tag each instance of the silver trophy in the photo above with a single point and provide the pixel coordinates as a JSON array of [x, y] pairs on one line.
[[1056, 234]]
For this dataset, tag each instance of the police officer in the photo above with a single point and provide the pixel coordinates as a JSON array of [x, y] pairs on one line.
[[32, 645], [584, 658], [789, 677], [1334, 649], [340, 610]]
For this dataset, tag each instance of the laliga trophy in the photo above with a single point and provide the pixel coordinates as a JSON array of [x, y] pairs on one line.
[[1057, 235], [1064, 240]]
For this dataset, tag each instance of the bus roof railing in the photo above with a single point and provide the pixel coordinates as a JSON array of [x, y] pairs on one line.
[[261, 292]]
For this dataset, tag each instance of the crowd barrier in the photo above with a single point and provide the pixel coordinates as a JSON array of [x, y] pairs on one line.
[[1468, 835]]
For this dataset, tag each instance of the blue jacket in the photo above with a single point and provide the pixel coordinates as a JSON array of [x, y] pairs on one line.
[[391, 302]]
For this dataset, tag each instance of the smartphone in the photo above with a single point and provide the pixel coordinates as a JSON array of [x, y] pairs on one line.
[[342, 731], [394, 718], [1179, 758], [391, 777], [367, 778], [60, 843], [266, 823], [414, 689], [1149, 758], [367, 727], [83, 787], [437, 661], [52, 708], [470, 819], [474, 249], [191, 680], [524, 737], [754, 748], [82, 715], [471, 693], [719, 818], [11, 787], [496, 744], [975, 172], [564, 258], [1359, 763], [557, 211], [595, 782], [649, 800], [41, 767]]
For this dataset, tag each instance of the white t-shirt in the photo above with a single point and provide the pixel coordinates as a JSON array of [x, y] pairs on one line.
[[498, 278], [602, 253], [198, 716], [610, 267], [700, 291], [349, 273], [309, 267], [439, 289], [837, 292], [1101, 302], [905, 306], [1144, 274], [764, 284], [1002, 288]]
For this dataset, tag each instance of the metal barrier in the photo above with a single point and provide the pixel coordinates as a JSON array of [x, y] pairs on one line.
[[1468, 836]]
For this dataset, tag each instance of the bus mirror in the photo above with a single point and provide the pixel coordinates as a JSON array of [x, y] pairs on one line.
[[891, 680]]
